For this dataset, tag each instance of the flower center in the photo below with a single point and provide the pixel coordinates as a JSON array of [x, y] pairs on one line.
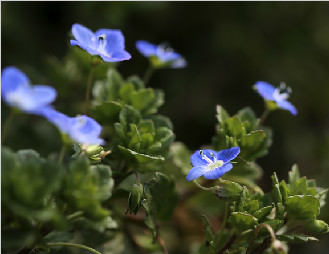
[[212, 164], [102, 43], [164, 48], [282, 92]]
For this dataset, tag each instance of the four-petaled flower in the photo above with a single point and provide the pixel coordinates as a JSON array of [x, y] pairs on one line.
[[279, 95], [17, 92], [109, 44], [164, 55], [81, 129], [211, 164]]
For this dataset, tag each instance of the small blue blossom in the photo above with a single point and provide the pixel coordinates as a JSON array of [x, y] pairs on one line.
[[17, 92], [109, 44], [81, 129], [164, 54], [211, 164], [279, 95]]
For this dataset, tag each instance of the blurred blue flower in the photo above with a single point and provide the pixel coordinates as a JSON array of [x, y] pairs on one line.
[[211, 164], [81, 129], [17, 92], [164, 54], [279, 95], [109, 44]]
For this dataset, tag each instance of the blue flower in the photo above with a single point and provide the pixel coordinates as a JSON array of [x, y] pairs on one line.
[[164, 55], [279, 95], [211, 164], [81, 129], [109, 44], [17, 92]]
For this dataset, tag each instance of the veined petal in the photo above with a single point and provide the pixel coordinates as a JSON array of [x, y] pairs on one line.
[[228, 154], [115, 40], [197, 160], [218, 172], [265, 90], [288, 106], [147, 49], [195, 172], [11, 79], [84, 35]]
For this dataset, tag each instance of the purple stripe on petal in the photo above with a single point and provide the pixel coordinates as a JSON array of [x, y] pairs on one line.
[[195, 172], [228, 154]]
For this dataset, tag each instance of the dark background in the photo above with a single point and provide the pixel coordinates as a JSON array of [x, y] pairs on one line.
[[228, 45]]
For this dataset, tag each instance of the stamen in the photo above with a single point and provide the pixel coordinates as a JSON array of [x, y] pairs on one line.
[[205, 157]]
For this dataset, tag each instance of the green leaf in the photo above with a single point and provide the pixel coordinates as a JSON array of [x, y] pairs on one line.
[[296, 238], [103, 175], [228, 190], [317, 226], [285, 192], [139, 157], [129, 115], [161, 196], [242, 221], [248, 119], [222, 114], [107, 112], [251, 143], [209, 235], [135, 198], [262, 213], [126, 92], [303, 207], [250, 170], [234, 127], [293, 177]]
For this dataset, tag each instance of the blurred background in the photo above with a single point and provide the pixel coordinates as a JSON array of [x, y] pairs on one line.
[[228, 45]]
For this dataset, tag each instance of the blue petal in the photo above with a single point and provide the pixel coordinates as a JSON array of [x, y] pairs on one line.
[[180, 63], [197, 160], [85, 130], [265, 90], [84, 35], [42, 95], [146, 48], [85, 47], [168, 56], [116, 56], [61, 121], [218, 172], [11, 79], [228, 154], [288, 106], [195, 172], [115, 40]]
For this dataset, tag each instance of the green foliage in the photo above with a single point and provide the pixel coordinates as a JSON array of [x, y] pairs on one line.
[[242, 130]]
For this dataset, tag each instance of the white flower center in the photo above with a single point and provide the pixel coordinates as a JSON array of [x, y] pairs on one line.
[[102, 44], [212, 164], [282, 92]]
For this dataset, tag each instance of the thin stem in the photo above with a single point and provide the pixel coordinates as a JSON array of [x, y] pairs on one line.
[[61, 154], [263, 225], [90, 78], [225, 217], [148, 74], [74, 245], [7, 124], [263, 117], [228, 244], [212, 189], [162, 244]]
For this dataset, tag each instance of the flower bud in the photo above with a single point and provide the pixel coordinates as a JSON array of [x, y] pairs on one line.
[[228, 190]]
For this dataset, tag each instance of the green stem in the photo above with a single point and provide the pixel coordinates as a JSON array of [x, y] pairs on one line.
[[7, 124], [61, 154], [148, 74], [263, 225], [263, 117], [90, 78], [212, 189], [74, 245], [225, 216]]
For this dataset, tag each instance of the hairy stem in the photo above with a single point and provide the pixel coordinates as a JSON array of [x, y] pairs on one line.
[[74, 245], [212, 189], [263, 225], [263, 117]]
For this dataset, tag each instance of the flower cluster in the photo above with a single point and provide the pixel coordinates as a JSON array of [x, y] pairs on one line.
[[211, 164]]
